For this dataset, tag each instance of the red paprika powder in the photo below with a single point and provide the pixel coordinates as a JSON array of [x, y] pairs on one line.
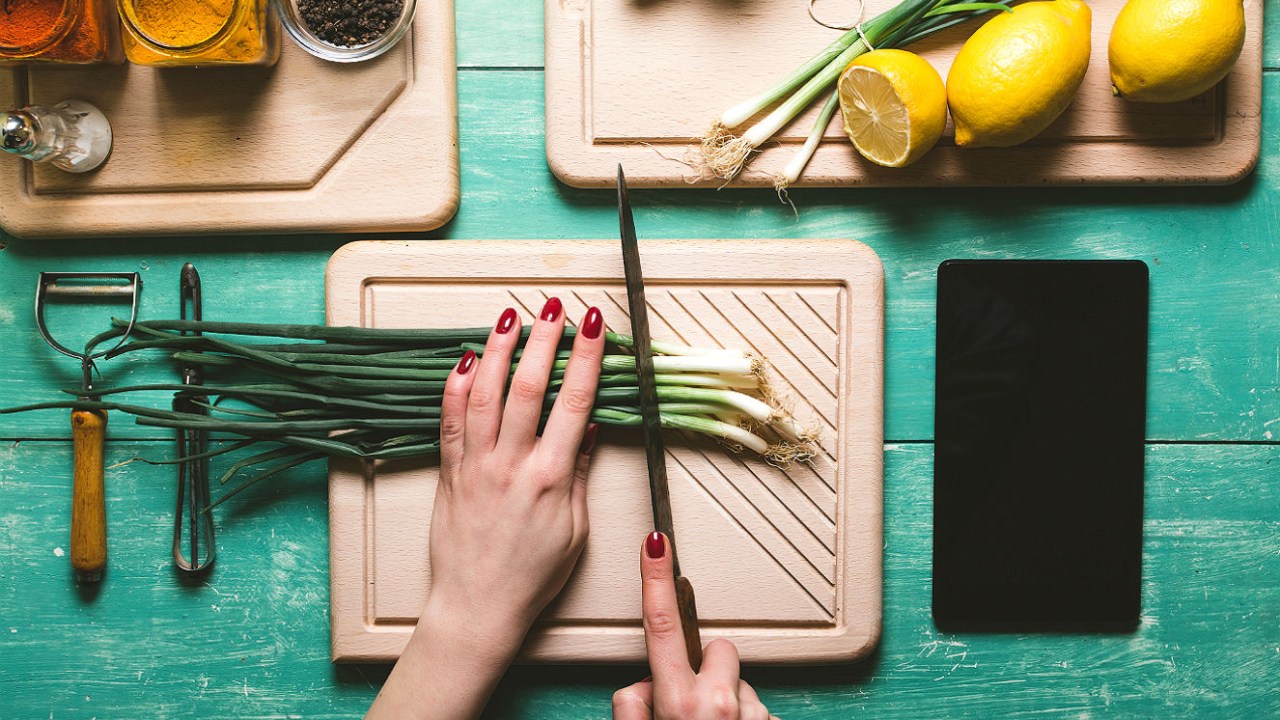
[[66, 31]]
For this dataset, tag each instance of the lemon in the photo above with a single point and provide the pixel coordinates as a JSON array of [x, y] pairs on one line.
[[1018, 72], [1171, 50], [894, 106]]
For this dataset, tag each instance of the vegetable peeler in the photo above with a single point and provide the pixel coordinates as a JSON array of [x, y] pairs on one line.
[[192, 522], [88, 427]]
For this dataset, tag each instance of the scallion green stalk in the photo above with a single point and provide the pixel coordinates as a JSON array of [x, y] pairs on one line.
[[374, 394]]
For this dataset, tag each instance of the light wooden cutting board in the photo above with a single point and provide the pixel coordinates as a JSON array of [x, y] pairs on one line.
[[633, 81], [787, 564], [305, 146]]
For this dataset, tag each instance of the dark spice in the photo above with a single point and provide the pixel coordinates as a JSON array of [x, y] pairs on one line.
[[350, 23]]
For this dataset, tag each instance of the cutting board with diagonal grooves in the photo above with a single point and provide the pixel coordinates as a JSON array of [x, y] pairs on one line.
[[786, 562]]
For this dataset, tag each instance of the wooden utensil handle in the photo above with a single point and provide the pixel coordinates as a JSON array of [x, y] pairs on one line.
[[88, 501], [689, 621]]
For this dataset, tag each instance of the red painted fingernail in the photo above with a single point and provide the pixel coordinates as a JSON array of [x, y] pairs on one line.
[[589, 439], [507, 321], [592, 324], [551, 311], [655, 546], [467, 362]]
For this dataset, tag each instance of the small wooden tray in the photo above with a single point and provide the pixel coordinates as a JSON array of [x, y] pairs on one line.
[[305, 146], [632, 82], [787, 564]]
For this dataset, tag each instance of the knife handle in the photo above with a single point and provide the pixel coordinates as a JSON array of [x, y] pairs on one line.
[[689, 621], [88, 502]]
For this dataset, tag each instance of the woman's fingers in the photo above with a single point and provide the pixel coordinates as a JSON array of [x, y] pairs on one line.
[[578, 495], [720, 666], [577, 395], [484, 405], [453, 415], [751, 708], [668, 658], [634, 702], [523, 411]]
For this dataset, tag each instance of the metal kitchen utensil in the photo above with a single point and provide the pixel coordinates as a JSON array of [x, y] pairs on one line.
[[193, 535], [655, 454], [88, 427]]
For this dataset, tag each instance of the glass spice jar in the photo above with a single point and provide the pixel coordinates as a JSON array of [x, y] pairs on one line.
[[199, 32], [59, 31]]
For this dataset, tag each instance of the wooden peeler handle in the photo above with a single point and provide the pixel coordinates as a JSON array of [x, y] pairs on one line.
[[88, 501], [689, 621]]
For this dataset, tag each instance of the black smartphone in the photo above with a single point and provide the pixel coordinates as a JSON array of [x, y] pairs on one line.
[[1039, 429]]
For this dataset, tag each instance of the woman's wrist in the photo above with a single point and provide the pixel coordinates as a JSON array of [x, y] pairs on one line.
[[478, 636]]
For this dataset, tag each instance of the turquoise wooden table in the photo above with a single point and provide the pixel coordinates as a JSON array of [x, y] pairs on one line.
[[253, 640]]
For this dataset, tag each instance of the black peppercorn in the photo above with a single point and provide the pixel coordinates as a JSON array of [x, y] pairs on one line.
[[350, 23]]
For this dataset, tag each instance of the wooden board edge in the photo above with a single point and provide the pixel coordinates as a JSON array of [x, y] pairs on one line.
[[116, 215], [346, 598], [572, 157]]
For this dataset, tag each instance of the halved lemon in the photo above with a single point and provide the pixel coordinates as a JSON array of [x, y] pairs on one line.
[[894, 106]]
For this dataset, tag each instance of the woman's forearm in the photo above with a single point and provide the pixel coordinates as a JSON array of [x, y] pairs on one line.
[[449, 668]]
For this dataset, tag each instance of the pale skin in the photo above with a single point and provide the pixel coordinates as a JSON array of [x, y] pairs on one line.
[[509, 522]]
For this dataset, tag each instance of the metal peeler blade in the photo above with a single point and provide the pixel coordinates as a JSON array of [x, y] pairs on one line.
[[194, 548]]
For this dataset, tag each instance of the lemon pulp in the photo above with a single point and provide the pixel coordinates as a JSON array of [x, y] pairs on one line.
[[894, 106]]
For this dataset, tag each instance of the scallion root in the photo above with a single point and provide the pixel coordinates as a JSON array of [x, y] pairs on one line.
[[725, 157]]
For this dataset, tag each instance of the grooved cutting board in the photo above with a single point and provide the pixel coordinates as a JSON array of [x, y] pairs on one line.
[[787, 564], [306, 145], [632, 81]]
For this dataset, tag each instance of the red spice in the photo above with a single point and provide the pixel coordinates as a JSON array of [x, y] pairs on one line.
[[70, 31]]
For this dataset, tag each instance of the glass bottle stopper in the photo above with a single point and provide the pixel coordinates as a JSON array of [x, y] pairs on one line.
[[73, 136]]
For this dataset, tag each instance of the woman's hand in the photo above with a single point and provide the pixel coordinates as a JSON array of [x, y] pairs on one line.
[[676, 692], [510, 514]]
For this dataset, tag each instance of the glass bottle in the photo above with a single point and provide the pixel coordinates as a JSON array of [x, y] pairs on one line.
[[73, 135], [59, 31], [199, 32]]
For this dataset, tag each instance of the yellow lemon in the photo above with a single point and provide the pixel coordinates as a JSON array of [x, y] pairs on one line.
[[1171, 50], [1018, 72], [894, 106]]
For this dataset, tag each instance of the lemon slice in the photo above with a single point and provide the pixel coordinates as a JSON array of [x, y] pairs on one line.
[[894, 106]]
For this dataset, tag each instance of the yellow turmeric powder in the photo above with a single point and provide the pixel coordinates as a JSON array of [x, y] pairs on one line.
[[199, 32]]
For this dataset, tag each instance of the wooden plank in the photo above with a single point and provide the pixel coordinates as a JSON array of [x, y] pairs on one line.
[[786, 562], [1214, 259], [306, 145], [632, 83], [499, 34], [253, 641]]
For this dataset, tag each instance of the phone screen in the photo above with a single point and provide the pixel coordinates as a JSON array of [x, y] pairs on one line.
[[1041, 395]]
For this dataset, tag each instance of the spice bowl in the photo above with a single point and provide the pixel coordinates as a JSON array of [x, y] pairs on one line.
[[336, 41]]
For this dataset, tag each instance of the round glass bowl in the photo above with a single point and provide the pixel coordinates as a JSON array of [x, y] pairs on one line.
[[296, 28]]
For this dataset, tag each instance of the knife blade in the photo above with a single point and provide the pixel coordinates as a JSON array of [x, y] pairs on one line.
[[655, 452]]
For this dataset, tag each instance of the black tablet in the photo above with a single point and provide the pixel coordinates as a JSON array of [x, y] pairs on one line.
[[1039, 425]]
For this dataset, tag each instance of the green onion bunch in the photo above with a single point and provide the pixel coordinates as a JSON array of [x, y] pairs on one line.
[[376, 393], [725, 151]]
